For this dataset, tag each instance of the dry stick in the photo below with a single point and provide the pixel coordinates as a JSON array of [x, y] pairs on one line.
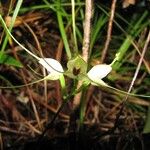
[[51, 123], [133, 80], [39, 48], [28, 90], [44, 71], [59, 57], [12, 131], [50, 108], [110, 24], [86, 43], [135, 46], [129, 90]]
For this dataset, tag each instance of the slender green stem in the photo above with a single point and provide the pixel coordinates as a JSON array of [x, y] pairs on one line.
[[19, 3], [74, 26], [9, 34], [63, 86], [24, 85], [137, 28], [62, 29], [51, 6], [82, 108]]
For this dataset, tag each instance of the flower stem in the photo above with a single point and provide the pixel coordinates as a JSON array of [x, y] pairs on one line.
[[8, 32], [63, 86]]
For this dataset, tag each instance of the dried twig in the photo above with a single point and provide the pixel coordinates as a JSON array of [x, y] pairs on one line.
[[87, 30], [23, 76], [110, 24], [86, 43], [133, 80]]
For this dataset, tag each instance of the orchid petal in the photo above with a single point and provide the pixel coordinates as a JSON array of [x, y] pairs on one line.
[[54, 68], [98, 72]]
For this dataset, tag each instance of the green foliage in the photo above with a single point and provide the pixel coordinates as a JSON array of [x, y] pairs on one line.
[[137, 28], [97, 27], [60, 12], [4, 58], [9, 60]]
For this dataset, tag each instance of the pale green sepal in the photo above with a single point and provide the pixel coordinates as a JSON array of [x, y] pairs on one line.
[[77, 68]]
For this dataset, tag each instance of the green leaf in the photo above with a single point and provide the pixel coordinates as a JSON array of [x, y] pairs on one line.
[[77, 68], [9, 60]]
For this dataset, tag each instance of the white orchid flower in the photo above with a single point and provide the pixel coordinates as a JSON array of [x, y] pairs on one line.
[[53, 67], [98, 72]]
